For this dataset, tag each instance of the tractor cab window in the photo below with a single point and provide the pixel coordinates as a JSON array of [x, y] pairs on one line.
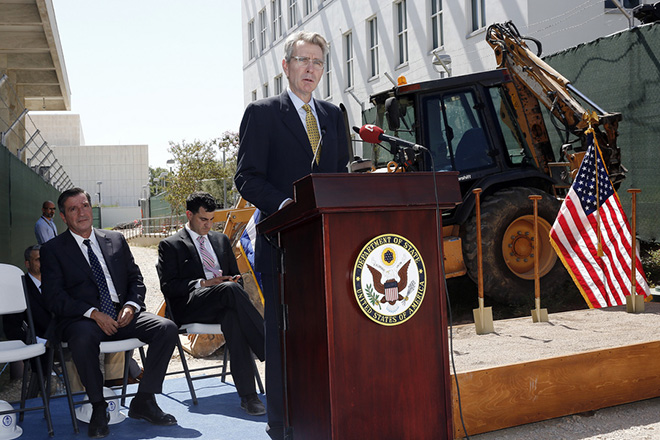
[[513, 137], [455, 133]]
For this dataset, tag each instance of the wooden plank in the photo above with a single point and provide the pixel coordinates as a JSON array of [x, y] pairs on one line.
[[503, 397]]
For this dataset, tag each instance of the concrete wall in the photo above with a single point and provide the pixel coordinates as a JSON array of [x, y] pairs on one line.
[[112, 216], [59, 128], [123, 169]]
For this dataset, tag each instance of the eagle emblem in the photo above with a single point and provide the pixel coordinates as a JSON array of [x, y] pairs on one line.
[[389, 279], [391, 288]]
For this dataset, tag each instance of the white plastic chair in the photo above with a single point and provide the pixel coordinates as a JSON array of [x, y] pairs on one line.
[[105, 347], [13, 299]]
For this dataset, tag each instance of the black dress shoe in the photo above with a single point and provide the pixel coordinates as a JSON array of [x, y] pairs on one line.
[[253, 406], [148, 409], [98, 423]]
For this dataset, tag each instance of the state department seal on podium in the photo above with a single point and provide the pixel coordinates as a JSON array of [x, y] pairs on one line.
[[389, 279]]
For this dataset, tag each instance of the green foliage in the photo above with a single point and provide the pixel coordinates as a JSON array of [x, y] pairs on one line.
[[199, 167], [156, 182], [194, 163]]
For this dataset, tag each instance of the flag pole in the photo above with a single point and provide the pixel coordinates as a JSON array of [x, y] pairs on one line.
[[593, 118]]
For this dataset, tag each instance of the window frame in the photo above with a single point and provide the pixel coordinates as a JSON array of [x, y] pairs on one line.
[[263, 31], [372, 36], [252, 41], [401, 27], [437, 24], [349, 60], [478, 15], [276, 12], [293, 13], [327, 76]]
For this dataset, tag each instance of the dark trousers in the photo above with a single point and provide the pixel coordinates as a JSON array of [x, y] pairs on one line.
[[229, 305], [274, 376], [84, 336]]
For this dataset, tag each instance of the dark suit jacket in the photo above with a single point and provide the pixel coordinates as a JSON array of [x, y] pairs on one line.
[[179, 266], [41, 316], [14, 324], [274, 152], [68, 284]]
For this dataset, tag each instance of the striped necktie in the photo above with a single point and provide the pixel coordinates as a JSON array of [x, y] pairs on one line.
[[107, 305], [207, 259], [312, 132]]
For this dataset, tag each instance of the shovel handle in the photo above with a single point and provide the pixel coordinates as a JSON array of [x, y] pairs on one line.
[[480, 268], [537, 284], [633, 253]]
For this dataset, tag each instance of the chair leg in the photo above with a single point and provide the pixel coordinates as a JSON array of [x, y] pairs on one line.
[[257, 376], [124, 386], [225, 355], [44, 398], [27, 372], [184, 364], [67, 387]]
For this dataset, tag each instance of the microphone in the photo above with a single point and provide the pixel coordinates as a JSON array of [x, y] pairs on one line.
[[318, 148], [374, 135]]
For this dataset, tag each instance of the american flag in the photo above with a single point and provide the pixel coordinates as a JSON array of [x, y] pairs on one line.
[[604, 281]]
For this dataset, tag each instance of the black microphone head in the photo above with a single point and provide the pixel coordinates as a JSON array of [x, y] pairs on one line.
[[322, 131], [356, 129]]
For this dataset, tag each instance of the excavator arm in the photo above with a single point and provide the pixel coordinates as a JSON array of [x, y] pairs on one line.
[[535, 83]]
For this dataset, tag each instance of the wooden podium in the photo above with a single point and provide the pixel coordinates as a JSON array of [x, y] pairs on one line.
[[352, 372]]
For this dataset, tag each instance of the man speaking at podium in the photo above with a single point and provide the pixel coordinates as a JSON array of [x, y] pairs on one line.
[[283, 139]]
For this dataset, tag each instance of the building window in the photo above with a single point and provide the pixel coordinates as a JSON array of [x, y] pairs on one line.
[[278, 84], [436, 24], [478, 14], [373, 47], [276, 13], [263, 26], [293, 13], [309, 7], [252, 42], [348, 46], [264, 88], [254, 95], [402, 31], [328, 76]]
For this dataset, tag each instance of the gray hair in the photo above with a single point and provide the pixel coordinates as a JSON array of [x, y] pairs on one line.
[[307, 37]]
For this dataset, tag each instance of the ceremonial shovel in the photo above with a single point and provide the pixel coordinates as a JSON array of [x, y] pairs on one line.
[[483, 316], [634, 302], [538, 314]]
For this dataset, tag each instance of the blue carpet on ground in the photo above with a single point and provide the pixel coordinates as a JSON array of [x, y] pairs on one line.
[[217, 416]]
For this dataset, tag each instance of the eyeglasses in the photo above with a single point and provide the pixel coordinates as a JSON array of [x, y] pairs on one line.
[[304, 61]]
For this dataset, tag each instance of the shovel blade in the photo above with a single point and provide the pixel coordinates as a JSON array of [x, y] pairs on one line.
[[634, 303], [540, 315], [483, 320]]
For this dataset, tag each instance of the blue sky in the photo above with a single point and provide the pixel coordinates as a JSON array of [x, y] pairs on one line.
[[149, 72]]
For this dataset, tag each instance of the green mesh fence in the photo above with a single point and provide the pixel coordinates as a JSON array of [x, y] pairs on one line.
[[621, 73], [22, 192]]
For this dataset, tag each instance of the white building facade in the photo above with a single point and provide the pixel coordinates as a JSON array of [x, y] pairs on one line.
[[373, 42]]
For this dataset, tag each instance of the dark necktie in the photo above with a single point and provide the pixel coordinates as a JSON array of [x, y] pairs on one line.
[[107, 306]]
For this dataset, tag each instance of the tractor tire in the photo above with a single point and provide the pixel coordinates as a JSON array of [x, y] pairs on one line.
[[507, 229]]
